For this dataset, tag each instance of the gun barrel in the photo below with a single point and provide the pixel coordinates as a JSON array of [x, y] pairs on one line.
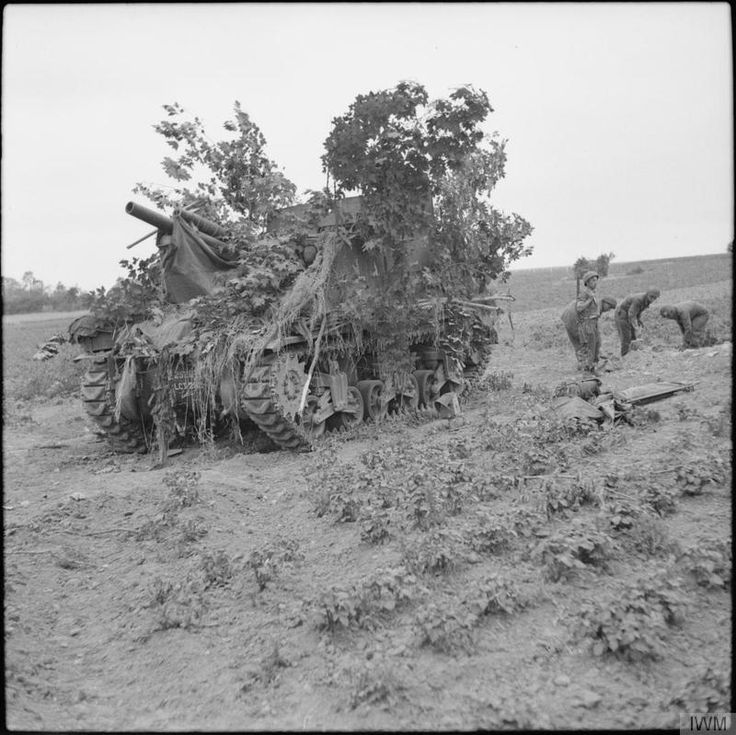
[[151, 216], [204, 225], [166, 224]]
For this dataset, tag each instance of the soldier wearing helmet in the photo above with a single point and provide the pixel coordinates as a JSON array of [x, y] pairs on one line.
[[628, 316], [691, 317], [572, 326], [588, 311]]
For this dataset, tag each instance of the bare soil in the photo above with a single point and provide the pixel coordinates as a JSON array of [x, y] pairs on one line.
[[125, 611]]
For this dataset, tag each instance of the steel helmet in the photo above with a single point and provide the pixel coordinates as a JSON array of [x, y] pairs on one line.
[[588, 275]]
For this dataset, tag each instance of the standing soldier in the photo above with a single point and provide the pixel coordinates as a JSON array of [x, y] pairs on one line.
[[691, 317], [588, 311], [628, 316], [572, 326]]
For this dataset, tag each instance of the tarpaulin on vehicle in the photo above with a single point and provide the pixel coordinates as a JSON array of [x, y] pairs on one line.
[[171, 330], [190, 265], [87, 326]]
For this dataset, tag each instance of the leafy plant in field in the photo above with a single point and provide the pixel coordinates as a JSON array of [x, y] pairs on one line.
[[491, 487], [709, 690], [693, 477], [595, 444], [374, 527], [424, 508], [649, 536], [268, 561], [190, 531], [555, 430], [459, 478], [364, 605], [389, 588], [559, 497], [494, 595], [525, 521], [709, 564], [684, 412], [496, 381], [217, 569], [441, 550], [462, 448], [446, 628], [339, 502], [661, 499], [489, 533], [573, 549], [720, 425], [183, 487], [268, 671], [376, 682], [642, 416], [177, 604], [536, 460], [632, 621], [341, 608], [622, 513]]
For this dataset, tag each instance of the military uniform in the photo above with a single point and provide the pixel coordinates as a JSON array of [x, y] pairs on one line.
[[628, 316], [691, 317], [572, 326], [588, 311]]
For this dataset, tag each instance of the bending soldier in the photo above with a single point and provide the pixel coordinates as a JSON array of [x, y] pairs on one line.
[[588, 311], [572, 326], [628, 316], [691, 317]]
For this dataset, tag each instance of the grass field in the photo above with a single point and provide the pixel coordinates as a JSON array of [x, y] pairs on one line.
[[25, 379]]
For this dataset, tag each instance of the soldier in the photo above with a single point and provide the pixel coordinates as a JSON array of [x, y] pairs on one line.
[[572, 326], [588, 311], [691, 317], [628, 316]]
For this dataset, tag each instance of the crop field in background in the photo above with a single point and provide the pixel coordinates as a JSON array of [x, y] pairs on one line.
[[24, 378], [505, 569], [539, 288]]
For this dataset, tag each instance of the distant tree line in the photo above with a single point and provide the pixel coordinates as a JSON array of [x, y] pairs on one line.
[[31, 295], [599, 265]]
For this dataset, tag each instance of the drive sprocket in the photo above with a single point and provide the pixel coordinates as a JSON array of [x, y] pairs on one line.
[[260, 399]]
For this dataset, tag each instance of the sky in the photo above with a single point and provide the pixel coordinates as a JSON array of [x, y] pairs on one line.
[[618, 117]]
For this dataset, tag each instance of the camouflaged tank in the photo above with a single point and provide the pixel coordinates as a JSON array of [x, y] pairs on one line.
[[290, 391]]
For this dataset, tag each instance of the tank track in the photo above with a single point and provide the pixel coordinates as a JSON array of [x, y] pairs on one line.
[[123, 435], [259, 402]]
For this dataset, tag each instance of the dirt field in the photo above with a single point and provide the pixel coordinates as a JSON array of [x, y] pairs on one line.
[[503, 569]]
